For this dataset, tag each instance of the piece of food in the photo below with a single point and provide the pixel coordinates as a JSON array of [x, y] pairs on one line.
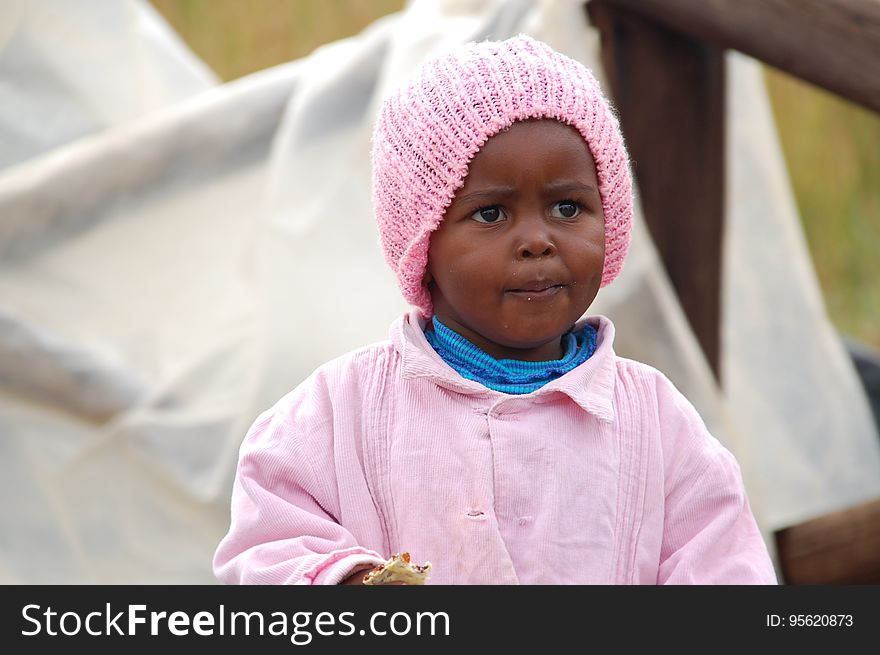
[[398, 569]]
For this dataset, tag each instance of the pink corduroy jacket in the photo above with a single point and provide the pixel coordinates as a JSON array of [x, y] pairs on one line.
[[606, 475]]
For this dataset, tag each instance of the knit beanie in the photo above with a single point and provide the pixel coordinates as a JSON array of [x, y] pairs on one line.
[[428, 132]]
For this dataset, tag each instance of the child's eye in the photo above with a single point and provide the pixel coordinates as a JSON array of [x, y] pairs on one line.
[[565, 209], [491, 214]]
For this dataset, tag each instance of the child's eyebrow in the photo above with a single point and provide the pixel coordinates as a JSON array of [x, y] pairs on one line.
[[570, 185], [492, 194]]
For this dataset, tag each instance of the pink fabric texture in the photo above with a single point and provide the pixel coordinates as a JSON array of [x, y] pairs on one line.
[[427, 133], [606, 475]]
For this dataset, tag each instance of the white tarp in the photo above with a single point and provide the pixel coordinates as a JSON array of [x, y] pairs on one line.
[[165, 279], [71, 69]]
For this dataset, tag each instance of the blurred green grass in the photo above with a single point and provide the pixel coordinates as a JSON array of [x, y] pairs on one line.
[[831, 146], [832, 149], [237, 37]]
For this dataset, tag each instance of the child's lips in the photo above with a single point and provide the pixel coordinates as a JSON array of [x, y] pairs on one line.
[[537, 291]]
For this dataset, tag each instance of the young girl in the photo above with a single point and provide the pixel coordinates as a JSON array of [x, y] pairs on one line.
[[496, 434]]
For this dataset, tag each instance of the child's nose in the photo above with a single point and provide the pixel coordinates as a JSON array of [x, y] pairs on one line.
[[534, 240]]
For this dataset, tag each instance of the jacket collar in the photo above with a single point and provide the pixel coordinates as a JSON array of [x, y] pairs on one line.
[[590, 385]]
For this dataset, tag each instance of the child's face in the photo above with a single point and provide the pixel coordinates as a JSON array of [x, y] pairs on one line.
[[519, 254]]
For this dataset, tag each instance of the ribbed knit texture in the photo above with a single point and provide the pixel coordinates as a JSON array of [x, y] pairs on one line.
[[428, 132], [513, 376]]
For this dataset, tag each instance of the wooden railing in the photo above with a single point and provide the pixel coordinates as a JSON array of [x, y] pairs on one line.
[[664, 60]]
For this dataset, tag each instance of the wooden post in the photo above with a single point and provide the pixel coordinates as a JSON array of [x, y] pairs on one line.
[[669, 91], [664, 63], [839, 548]]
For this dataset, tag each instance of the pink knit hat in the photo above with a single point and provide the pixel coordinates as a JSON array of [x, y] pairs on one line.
[[430, 129]]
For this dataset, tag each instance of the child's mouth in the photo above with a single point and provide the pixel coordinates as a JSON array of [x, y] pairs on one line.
[[537, 292]]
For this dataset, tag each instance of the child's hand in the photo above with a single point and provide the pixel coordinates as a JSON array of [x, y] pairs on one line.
[[399, 570], [357, 578]]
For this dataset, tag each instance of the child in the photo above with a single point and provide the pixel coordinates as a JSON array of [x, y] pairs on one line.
[[496, 434]]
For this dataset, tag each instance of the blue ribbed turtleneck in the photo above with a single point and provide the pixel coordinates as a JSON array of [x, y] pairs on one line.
[[512, 376]]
